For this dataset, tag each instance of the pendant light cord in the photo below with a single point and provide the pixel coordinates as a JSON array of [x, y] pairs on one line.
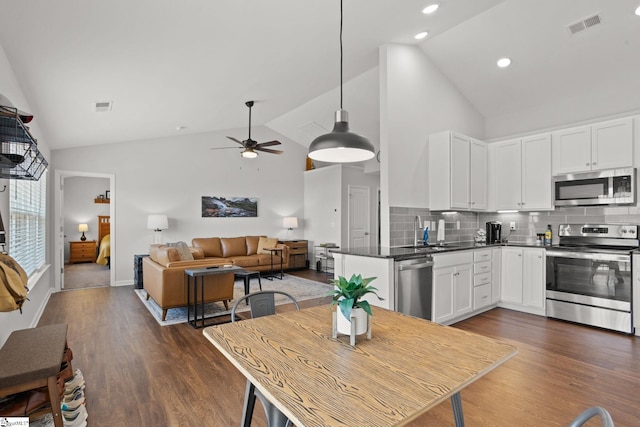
[[341, 54]]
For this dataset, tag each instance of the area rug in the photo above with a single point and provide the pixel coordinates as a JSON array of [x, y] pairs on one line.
[[301, 289]]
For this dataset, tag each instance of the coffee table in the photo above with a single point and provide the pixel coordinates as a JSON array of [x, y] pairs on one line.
[[246, 276]]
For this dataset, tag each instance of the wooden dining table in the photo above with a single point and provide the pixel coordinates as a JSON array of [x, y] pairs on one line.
[[408, 366]]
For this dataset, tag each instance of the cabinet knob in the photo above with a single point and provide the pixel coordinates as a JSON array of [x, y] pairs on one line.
[[539, 256], [522, 203], [594, 163], [587, 164], [519, 254]]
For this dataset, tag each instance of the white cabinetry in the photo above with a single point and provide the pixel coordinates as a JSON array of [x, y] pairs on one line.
[[457, 172], [452, 286], [496, 271], [523, 279], [635, 285], [482, 272], [600, 146], [382, 268], [523, 174]]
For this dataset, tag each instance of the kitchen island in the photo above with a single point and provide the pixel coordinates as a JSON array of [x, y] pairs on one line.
[[466, 275]]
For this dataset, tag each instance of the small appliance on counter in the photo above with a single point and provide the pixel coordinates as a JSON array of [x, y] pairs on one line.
[[494, 232], [481, 236]]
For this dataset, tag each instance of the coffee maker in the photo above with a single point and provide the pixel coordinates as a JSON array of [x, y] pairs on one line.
[[494, 232]]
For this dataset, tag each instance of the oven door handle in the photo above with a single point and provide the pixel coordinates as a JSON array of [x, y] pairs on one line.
[[589, 255]]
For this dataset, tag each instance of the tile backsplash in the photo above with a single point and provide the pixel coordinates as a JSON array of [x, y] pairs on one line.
[[462, 226]]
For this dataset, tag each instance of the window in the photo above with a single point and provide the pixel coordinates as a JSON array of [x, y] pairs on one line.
[[27, 232]]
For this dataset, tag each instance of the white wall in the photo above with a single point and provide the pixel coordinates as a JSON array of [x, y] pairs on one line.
[[170, 175], [416, 99], [79, 207], [40, 286], [323, 206]]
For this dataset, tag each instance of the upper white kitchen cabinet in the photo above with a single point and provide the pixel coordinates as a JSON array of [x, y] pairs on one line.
[[522, 171], [457, 172], [600, 146]]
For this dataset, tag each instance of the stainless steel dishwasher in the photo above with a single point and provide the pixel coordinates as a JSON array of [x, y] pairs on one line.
[[413, 287]]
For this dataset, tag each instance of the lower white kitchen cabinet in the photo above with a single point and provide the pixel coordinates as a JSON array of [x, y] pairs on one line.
[[452, 286], [523, 279], [496, 262], [635, 284], [381, 268]]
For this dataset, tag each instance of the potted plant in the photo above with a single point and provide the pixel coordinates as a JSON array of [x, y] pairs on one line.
[[347, 294]]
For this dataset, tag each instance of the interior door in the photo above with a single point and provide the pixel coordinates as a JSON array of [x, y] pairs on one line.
[[359, 215]]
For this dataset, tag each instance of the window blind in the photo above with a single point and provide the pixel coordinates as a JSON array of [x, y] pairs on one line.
[[27, 232]]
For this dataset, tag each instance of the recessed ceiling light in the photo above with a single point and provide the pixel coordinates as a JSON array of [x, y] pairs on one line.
[[638, 11], [430, 9], [421, 35], [504, 62], [179, 128]]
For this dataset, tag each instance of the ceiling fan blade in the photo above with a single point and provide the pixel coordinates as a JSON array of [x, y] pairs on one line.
[[233, 139], [225, 148], [270, 143], [268, 150]]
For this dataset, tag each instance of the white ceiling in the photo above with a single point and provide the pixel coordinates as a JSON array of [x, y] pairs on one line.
[[194, 63]]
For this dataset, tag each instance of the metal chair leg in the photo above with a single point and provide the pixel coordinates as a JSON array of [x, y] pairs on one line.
[[249, 404], [458, 416]]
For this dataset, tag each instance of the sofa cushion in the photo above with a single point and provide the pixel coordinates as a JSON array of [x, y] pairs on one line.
[[183, 250], [163, 254], [210, 245], [266, 243], [196, 253], [233, 246], [252, 244], [246, 260]]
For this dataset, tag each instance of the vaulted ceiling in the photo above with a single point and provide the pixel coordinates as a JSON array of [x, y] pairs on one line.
[[166, 64]]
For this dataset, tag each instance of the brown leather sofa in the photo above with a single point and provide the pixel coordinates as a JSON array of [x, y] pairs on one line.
[[163, 270]]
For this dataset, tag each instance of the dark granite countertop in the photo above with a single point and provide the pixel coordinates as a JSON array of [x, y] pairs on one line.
[[400, 253]]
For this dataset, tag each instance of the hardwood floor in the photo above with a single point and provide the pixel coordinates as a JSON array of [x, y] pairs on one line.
[[139, 373]]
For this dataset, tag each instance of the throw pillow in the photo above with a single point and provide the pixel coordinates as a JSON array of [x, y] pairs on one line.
[[183, 250], [266, 243]]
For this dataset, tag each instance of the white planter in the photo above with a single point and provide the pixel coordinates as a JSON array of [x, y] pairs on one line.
[[358, 315]]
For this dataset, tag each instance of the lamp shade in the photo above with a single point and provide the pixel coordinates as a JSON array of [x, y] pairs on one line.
[[290, 222], [83, 227], [157, 222], [340, 145]]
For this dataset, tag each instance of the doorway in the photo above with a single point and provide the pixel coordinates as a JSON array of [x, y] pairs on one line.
[[81, 198], [359, 217]]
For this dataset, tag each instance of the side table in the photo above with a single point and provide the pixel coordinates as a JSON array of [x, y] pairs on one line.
[[192, 288], [137, 271], [271, 272]]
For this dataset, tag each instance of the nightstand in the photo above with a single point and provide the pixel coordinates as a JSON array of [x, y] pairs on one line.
[[82, 251]]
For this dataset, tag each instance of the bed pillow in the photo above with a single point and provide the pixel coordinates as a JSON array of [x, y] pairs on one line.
[[183, 250], [266, 243]]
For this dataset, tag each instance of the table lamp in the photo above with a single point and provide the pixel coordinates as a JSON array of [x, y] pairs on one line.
[[157, 223], [83, 228], [290, 222]]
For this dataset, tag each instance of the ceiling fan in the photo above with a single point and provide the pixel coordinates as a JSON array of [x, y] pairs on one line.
[[251, 147]]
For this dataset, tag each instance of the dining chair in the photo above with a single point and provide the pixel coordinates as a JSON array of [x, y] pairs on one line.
[[261, 304], [589, 413]]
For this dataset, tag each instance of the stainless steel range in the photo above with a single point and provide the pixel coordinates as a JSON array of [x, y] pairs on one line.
[[589, 275]]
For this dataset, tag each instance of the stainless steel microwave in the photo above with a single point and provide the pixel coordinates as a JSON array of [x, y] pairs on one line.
[[606, 187]]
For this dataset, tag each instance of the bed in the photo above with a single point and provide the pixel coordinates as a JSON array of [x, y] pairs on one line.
[[104, 239]]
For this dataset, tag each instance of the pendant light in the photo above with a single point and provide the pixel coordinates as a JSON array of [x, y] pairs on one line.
[[341, 146]]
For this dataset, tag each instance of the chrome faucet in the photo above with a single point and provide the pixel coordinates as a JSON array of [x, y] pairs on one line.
[[417, 225]]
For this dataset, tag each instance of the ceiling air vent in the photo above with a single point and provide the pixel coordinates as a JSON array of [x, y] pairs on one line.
[[584, 24], [103, 107]]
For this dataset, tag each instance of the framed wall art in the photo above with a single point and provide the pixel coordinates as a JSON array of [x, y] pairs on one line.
[[229, 207]]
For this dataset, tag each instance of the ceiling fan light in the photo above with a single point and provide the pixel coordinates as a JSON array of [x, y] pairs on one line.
[[249, 154], [340, 145]]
